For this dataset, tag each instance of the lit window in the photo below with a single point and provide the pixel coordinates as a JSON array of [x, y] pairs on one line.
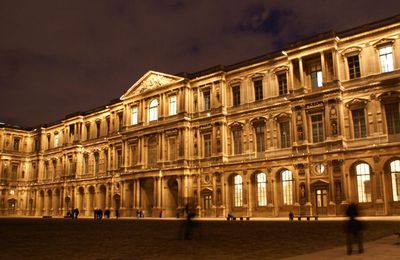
[[236, 95], [363, 182], [317, 128], [262, 189], [392, 118], [282, 83], [287, 187], [56, 140], [172, 105], [153, 112], [395, 172], [354, 66], [258, 89], [386, 58], [238, 191], [134, 115], [316, 76], [359, 123]]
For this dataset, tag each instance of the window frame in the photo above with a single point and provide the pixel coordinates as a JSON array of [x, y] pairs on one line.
[[354, 67], [386, 65], [238, 191], [261, 181], [173, 105], [320, 128], [363, 175], [285, 141], [361, 122], [236, 95], [394, 169], [258, 89], [153, 110], [282, 83], [134, 115], [286, 177]]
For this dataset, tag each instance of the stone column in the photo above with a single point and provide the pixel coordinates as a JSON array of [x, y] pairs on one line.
[[323, 67], [301, 71]]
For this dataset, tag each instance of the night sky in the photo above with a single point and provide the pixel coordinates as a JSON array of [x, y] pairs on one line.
[[58, 57]]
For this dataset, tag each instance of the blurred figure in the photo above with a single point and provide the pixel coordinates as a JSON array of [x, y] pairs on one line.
[[188, 234], [291, 216], [353, 229]]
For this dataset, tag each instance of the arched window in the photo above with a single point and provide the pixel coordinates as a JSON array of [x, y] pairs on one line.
[[238, 191], [363, 182], [153, 111], [395, 173], [262, 189], [287, 187]]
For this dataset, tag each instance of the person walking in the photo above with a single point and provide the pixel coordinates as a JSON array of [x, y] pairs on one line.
[[354, 230]]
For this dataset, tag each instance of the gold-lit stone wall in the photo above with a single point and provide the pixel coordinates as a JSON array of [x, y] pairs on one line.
[[265, 115]]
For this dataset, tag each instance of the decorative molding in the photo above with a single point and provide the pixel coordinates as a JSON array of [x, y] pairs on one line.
[[384, 41], [350, 51], [357, 102]]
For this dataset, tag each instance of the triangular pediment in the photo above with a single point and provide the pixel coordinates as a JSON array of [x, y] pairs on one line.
[[149, 81]]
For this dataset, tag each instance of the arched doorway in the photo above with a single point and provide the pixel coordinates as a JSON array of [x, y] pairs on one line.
[[40, 209], [171, 199], [49, 203], [117, 203], [147, 195], [91, 203], [56, 204], [102, 197], [12, 206], [80, 200]]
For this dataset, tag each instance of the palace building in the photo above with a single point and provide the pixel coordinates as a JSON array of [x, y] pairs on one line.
[[308, 129]]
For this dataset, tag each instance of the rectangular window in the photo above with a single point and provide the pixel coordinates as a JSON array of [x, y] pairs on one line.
[[172, 105], [207, 145], [16, 144], [236, 95], [392, 118], [120, 121], [354, 66], [56, 140], [14, 172], [119, 159], [87, 131], [207, 100], [317, 128], [386, 58], [85, 163], [282, 83], [108, 124], [359, 123], [260, 137], [134, 115], [96, 163], [285, 134], [134, 155], [237, 141], [258, 89], [48, 141], [316, 76], [172, 149], [98, 123]]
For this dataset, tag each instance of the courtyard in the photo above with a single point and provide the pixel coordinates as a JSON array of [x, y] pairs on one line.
[[34, 238]]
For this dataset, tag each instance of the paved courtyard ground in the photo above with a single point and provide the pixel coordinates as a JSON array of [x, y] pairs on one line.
[[33, 238]]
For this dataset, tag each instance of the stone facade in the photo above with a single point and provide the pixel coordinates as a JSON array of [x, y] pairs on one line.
[[307, 129]]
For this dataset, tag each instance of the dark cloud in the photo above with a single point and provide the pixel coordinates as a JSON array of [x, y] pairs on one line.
[[58, 57]]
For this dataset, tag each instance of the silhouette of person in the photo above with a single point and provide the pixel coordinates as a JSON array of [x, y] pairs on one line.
[[76, 213], [117, 213], [353, 229], [189, 224]]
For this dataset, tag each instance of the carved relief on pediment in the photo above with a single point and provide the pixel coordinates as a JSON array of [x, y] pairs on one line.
[[152, 82], [357, 102]]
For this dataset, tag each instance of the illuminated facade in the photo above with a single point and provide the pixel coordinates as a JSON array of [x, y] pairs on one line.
[[307, 129]]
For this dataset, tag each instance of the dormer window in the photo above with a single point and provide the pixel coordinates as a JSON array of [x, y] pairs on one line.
[[153, 111]]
